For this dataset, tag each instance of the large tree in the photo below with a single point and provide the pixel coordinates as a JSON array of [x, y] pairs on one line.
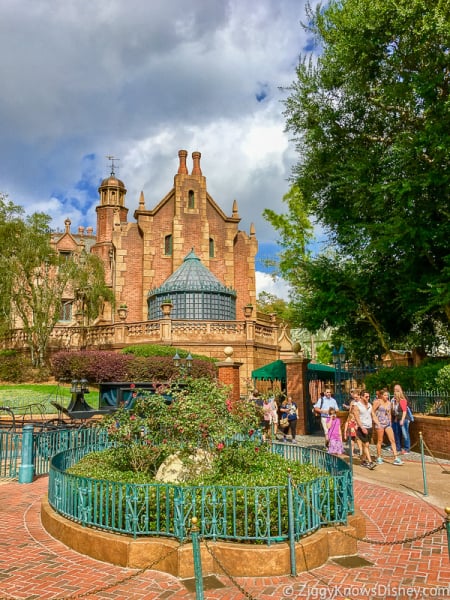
[[371, 119], [34, 279]]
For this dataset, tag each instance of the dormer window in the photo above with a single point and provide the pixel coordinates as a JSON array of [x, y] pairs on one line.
[[65, 255], [191, 199], [168, 245]]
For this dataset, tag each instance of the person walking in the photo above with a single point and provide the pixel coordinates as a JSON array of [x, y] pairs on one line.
[[322, 408], [334, 434], [289, 409], [401, 403], [365, 419], [383, 410]]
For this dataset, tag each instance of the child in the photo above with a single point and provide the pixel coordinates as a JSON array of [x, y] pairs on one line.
[[334, 435], [350, 431]]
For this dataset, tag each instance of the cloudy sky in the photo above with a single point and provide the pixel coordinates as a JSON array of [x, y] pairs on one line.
[[140, 80]]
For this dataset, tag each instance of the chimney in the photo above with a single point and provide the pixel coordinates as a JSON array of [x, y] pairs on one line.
[[196, 168], [182, 168]]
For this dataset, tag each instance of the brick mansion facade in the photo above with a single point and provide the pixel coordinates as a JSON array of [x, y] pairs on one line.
[[187, 249]]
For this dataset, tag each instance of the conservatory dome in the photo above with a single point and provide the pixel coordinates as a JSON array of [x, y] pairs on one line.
[[195, 293]]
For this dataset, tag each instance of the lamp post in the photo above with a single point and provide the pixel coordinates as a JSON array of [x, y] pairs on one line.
[[338, 361], [183, 365], [78, 389]]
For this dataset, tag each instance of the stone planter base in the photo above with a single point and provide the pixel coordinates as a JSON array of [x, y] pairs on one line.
[[167, 555]]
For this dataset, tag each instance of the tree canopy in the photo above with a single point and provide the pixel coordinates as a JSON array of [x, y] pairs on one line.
[[34, 278], [371, 121]]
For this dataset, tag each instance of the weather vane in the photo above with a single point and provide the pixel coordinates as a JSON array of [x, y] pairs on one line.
[[113, 160]]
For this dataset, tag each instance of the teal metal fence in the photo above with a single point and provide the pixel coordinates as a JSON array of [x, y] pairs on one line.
[[429, 402], [238, 513], [45, 445], [10, 452]]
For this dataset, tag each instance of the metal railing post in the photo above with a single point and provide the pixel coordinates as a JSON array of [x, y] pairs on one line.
[[447, 522], [291, 526], [197, 560], [350, 451], [424, 471], [26, 469]]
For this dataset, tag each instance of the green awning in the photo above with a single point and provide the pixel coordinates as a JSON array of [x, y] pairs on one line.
[[273, 371], [277, 371]]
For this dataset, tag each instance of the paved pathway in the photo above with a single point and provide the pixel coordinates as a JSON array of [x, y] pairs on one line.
[[35, 566]]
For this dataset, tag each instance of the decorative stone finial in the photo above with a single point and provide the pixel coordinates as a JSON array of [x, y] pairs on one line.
[[296, 348], [228, 351]]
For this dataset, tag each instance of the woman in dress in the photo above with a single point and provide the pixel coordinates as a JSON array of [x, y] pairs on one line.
[[383, 409], [334, 434]]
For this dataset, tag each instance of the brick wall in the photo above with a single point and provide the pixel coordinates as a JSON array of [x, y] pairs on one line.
[[435, 433]]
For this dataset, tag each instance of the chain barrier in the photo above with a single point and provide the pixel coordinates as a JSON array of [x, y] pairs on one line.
[[115, 583], [444, 470], [368, 540], [227, 574]]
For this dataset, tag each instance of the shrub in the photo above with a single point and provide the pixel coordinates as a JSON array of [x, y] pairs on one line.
[[423, 377], [14, 366], [443, 379], [96, 367], [104, 366]]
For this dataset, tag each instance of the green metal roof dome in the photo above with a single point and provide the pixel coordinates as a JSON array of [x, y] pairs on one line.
[[195, 294]]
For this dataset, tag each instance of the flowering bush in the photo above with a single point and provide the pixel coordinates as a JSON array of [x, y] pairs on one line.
[[176, 419]]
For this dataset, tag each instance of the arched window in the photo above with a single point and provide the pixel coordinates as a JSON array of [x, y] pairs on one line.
[[168, 245], [211, 248], [191, 199]]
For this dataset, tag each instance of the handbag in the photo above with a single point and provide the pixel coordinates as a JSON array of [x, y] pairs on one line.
[[284, 422]]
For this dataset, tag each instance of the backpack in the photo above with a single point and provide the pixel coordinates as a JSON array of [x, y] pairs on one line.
[[409, 414]]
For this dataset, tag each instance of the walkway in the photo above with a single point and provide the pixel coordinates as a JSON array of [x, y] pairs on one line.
[[35, 566]]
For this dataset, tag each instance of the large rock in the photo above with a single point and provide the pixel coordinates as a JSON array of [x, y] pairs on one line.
[[176, 470]]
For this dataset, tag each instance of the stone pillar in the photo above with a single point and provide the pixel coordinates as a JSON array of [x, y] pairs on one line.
[[297, 387], [229, 374]]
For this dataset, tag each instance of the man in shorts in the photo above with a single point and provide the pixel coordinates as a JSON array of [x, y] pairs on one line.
[[365, 418]]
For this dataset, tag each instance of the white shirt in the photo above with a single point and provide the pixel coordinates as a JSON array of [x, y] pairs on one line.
[[328, 402]]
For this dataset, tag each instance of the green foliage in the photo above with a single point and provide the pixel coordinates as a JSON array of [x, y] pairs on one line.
[[324, 354], [443, 379], [253, 464], [156, 350], [199, 416], [424, 377], [34, 277], [270, 303], [371, 121], [13, 366]]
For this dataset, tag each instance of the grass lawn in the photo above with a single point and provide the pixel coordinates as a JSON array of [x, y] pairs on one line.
[[24, 394]]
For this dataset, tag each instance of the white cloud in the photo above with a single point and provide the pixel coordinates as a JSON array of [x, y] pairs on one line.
[[141, 80], [276, 286]]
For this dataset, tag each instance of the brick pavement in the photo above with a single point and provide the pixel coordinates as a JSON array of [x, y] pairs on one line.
[[35, 566]]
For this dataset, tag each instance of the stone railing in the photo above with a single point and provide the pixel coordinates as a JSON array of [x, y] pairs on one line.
[[165, 331]]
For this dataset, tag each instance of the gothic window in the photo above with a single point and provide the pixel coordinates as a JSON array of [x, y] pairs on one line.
[[66, 311], [211, 248], [168, 245], [191, 199]]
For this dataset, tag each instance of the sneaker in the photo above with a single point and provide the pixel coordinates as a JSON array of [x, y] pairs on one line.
[[371, 465], [294, 441], [284, 440], [398, 461], [379, 460], [405, 451], [365, 463]]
